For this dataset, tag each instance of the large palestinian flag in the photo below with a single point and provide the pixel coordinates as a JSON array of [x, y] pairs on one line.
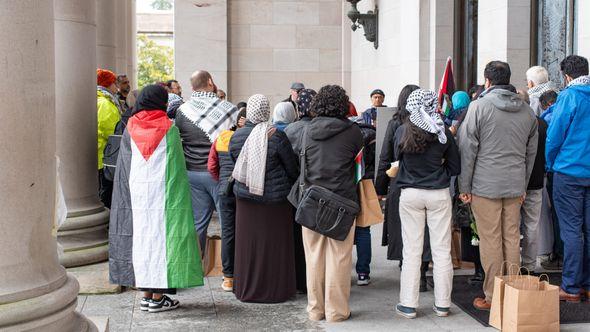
[[152, 236]]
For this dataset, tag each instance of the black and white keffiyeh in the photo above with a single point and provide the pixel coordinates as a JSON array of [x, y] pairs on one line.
[[250, 167], [582, 80], [422, 106], [538, 90], [211, 114]]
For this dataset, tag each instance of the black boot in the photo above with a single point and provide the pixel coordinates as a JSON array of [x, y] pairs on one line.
[[478, 276], [423, 285]]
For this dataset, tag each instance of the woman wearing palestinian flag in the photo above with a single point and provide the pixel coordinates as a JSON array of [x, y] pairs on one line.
[[152, 238]]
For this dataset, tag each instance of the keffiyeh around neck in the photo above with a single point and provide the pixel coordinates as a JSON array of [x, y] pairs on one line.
[[250, 167], [422, 108], [211, 114], [538, 90], [582, 80], [111, 97]]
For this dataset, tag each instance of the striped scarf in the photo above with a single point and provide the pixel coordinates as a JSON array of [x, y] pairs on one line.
[[250, 167]]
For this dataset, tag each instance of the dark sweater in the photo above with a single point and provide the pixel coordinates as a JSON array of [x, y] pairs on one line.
[[537, 179], [429, 170]]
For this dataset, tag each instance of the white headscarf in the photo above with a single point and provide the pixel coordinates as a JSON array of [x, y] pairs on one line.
[[422, 106], [284, 113], [250, 167]]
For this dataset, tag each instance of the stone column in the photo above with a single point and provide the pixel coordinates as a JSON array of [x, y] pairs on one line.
[[121, 36], [504, 34], [583, 22], [35, 292], [200, 41], [132, 43], [84, 235], [106, 56]]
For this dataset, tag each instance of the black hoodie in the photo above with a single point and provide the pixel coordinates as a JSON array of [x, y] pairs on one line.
[[332, 144]]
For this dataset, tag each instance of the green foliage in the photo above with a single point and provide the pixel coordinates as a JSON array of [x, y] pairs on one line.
[[155, 63], [162, 4]]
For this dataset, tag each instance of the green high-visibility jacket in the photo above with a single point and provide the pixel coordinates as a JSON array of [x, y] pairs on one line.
[[108, 117]]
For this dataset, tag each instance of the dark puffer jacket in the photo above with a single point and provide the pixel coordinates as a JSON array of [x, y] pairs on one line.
[[332, 145], [281, 166]]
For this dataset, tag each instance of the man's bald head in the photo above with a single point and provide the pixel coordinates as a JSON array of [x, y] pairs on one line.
[[201, 80]]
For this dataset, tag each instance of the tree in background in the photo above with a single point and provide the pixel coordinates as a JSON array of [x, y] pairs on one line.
[[162, 4], [155, 63]]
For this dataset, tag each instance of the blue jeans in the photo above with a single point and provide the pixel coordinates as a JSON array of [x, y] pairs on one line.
[[572, 202], [204, 197], [227, 218], [362, 239]]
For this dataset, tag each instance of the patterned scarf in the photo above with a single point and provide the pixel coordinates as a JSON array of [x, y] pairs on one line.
[[422, 107], [250, 167], [304, 101], [211, 114], [582, 80], [111, 97], [538, 90]]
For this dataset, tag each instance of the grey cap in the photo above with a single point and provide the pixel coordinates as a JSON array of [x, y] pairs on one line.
[[297, 86]]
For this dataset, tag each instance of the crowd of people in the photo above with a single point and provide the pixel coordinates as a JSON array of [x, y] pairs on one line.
[[488, 166]]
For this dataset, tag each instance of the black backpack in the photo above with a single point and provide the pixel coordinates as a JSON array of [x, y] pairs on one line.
[[111, 150]]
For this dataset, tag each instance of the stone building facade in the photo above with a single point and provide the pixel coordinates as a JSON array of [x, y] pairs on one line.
[[261, 46]]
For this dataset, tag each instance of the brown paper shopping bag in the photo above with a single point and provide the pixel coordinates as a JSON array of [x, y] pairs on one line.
[[370, 213], [212, 258], [530, 305], [496, 310]]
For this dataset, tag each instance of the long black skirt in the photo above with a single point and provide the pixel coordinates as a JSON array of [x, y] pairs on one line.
[[392, 228], [264, 268]]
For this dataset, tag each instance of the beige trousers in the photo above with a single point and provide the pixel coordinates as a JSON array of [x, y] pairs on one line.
[[328, 264], [498, 222]]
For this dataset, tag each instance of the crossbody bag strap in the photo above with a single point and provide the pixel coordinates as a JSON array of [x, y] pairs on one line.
[[302, 163]]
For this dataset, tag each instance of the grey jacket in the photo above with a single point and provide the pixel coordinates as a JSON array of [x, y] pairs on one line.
[[498, 143]]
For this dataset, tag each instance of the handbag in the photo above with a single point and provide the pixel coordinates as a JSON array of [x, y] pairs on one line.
[[320, 209]]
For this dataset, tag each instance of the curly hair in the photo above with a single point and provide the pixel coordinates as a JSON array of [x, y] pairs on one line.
[[331, 101]]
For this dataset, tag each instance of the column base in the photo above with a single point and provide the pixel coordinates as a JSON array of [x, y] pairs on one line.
[[84, 238], [54, 311]]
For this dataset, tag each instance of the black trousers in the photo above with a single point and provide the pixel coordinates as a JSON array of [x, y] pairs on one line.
[[105, 189], [227, 219]]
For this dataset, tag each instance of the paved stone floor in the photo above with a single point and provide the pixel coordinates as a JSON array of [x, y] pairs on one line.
[[208, 308]]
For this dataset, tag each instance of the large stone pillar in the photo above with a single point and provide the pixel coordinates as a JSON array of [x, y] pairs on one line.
[[121, 36], [200, 41], [132, 43], [106, 41], [35, 291], [503, 33], [84, 235]]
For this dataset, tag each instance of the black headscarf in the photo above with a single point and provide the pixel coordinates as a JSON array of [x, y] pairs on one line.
[[152, 97]]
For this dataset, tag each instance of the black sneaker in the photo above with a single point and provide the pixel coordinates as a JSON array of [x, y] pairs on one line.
[[363, 280], [144, 304], [164, 304]]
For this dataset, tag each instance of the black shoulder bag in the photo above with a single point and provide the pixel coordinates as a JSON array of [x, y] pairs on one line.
[[320, 209]]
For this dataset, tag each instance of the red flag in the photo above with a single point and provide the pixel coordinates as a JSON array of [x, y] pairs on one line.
[[447, 84]]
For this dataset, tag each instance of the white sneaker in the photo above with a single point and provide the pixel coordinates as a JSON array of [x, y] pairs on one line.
[[144, 304]]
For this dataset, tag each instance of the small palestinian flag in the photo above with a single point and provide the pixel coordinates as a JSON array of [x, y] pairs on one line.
[[152, 235], [359, 166], [447, 83]]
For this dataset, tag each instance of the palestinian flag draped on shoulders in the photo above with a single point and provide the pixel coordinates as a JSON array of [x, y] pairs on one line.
[[152, 235]]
